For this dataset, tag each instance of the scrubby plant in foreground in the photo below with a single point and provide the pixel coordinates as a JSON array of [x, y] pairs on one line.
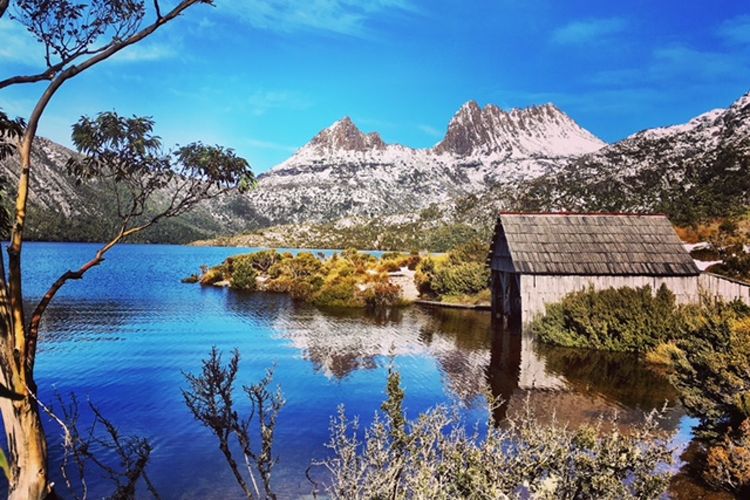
[[712, 373], [434, 456], [210, 398]]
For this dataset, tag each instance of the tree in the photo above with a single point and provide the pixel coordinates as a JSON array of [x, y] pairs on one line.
[[76, 36]]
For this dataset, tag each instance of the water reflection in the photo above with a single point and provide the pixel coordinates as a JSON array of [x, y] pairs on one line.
[[323, 358], [474, 359]]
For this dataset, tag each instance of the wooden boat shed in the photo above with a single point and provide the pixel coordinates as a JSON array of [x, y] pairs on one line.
[[538, 258]]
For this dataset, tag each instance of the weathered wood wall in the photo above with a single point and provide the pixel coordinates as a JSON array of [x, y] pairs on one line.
[[539, 290], [721, 287]]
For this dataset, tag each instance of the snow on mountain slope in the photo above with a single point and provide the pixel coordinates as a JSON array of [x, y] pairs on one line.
[[344, 172], [700, 169], [538, 131]]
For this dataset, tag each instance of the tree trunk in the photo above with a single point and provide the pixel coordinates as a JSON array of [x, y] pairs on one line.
[[27, 449]]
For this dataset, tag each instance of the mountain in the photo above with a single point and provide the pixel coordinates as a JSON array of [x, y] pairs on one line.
[[538, 131], [346, 187], [62, 210], [343, 172], [692, 172]]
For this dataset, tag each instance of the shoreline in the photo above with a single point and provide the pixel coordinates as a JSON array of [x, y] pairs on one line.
[[450, 305]]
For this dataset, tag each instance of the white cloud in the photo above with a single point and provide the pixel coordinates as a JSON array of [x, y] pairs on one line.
[[18, 45], [588, 30], [680, 59], [678, 63], [344, 17], [430, 130], [274, 146], [736, 30], [146, 53], [261, 101]]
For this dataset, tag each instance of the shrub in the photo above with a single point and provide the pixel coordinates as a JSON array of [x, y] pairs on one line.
[[475, 250], [212, 276], [243, 273], [263, 261], [712, 371], [728, 463], [663, 354], [425, 275], [382, 294], [616, 319], [339, 292], [435, 457], [466, 278]]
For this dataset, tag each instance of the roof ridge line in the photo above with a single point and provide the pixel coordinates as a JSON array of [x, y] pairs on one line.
[[628, 214]]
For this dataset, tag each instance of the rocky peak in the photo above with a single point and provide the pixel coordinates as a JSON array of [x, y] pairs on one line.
[[344, 135], [536, 131]]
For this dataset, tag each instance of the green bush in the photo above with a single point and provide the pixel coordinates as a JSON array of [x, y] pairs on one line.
[[243, 273], [339, 292], [382, 294], [712, 370], [616, 319], [474, 250], [263, 260], [467, 278]]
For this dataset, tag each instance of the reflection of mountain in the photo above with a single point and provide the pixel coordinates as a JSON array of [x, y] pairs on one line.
[[576, 386], [339, 342]]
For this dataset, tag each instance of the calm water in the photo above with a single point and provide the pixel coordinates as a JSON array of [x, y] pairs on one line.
[[122, 337]]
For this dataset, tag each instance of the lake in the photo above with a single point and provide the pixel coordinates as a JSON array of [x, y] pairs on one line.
[[122, 337]]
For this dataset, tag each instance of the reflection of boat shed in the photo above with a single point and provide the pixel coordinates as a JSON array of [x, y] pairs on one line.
[[537, 258]]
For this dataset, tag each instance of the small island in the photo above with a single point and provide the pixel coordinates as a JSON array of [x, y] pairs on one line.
[[356, 279]]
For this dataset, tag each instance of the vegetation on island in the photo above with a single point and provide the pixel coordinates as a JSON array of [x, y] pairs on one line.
[[346, 279], [707, 347], [460, 276], [357, 279]]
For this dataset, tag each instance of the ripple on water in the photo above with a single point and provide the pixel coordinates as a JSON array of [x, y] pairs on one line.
[[123, 336]]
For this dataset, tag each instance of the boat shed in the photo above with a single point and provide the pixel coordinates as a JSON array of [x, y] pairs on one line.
[[538, 258]]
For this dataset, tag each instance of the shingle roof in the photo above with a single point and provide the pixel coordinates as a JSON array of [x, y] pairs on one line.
[[589, 244]]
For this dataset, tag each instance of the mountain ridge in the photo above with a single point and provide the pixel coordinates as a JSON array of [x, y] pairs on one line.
[[344, 172], [535, 158]]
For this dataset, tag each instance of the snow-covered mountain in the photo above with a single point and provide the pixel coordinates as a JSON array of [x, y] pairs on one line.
[[344, 172], [539, 131], [692, 172], [536, 158]]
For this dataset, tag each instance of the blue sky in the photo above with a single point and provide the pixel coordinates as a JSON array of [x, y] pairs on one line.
[[264, 77]]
